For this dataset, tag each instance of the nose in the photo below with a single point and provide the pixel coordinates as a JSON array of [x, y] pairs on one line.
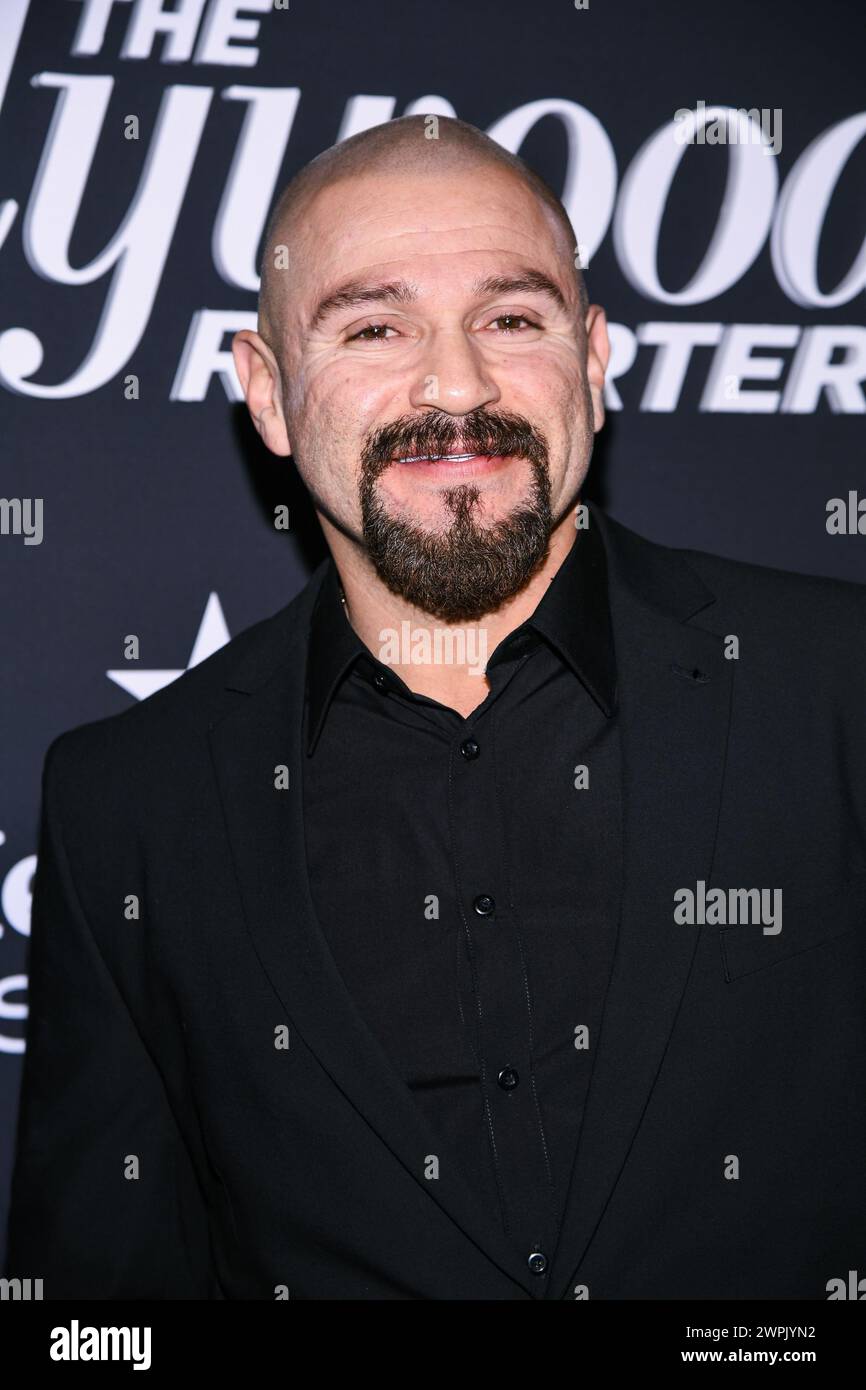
[[453, 375]]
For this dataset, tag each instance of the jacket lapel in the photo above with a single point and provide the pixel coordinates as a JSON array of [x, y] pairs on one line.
[[674, 694], [262, 730]]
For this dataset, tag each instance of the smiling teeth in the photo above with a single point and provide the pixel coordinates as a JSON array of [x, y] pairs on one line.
[[434, 458]]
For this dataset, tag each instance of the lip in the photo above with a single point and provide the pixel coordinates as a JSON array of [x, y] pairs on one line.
[[455, 465]]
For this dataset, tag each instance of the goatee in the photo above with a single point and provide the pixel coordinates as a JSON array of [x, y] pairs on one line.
[[468, 570]]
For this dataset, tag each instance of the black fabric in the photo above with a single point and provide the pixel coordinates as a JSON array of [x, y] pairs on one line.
[[490, 1020], [723, 1142]]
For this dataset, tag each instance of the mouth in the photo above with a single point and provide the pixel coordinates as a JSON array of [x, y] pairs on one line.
[[438, 458], [454, 468]]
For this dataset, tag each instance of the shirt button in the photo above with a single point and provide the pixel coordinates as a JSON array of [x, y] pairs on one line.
[[380, 680], [508, 1078], [537, 1262], [470, 748], [484, 905]]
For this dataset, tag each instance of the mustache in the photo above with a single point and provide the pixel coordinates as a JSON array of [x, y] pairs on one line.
[[479, 432]]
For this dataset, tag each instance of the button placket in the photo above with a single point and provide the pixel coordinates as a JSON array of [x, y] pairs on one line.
[[499, 1013]]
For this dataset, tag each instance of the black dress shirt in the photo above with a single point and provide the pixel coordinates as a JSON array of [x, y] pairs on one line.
[[466, 875]]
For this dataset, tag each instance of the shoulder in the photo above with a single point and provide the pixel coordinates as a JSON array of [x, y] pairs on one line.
[[761, 597], [175, 719], [776, 589], [801, 623]]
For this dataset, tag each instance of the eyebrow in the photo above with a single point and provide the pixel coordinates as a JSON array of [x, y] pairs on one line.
[[357, 292]]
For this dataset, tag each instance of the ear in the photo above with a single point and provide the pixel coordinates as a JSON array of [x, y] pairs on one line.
[[597, 358], [259, 376]]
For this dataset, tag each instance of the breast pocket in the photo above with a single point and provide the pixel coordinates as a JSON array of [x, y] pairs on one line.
[[805, 926]]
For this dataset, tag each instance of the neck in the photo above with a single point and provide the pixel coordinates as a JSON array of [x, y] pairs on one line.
[[444, 661]]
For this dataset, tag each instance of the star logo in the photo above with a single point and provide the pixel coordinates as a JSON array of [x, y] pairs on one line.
[[212, 634]]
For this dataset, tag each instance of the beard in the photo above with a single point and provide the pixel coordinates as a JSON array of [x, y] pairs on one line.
[[468, 570]]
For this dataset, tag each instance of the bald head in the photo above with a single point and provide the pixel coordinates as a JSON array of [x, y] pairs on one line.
[[410, 145]]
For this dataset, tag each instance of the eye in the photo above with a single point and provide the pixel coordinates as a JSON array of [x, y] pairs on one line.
[[513, 319], [371, 328]]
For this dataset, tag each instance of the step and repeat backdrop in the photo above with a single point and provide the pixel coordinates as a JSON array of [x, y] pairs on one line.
[[712, 160]]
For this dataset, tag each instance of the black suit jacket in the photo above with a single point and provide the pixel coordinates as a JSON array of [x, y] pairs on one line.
[[168, 1148]]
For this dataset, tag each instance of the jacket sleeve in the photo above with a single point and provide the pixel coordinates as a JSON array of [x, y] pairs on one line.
[[92, 1101]]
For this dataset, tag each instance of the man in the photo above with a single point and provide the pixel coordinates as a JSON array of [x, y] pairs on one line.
[[489, 922]]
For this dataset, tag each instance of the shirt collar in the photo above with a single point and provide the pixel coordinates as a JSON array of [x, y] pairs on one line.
[[573, 617]]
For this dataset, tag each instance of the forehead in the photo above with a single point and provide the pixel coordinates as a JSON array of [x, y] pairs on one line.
[[440, 223]]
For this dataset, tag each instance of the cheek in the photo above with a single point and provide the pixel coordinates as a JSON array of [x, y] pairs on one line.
[[337, 416], [570, 403], [553, 400], [550, 384], [344, 405]]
